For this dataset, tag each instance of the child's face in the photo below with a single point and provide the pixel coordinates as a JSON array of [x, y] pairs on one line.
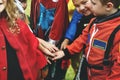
[[96, 7], [2, 5], [81, 7]]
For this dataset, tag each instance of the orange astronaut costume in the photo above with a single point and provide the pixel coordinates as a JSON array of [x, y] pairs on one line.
[[96, 45]]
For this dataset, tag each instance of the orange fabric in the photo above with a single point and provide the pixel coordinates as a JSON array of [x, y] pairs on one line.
[[96, 54]]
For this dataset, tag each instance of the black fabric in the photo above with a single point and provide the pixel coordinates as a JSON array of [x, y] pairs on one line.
[[14, 70], [84, 73], [67, 53], [55, 71], [109, 46], [106, 18], [81, 24]]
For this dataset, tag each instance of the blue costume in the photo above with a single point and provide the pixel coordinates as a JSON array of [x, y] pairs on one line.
[[71, 31]]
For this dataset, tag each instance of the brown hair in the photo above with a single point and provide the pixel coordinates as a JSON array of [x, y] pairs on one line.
[[116, 3]]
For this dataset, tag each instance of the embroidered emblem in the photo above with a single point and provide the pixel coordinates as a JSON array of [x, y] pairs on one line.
[[46, 17], [100, 44]]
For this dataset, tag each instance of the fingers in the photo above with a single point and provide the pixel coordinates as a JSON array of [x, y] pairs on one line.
[[55, 58], [58, 55], [63, 46], [53, 49], [48, 53], [48, 60], [48, 50]]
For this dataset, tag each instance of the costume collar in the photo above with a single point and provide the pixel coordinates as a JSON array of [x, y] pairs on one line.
[[106, 18]]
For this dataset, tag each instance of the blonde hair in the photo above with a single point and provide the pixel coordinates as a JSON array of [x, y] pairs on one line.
[[11, 13]]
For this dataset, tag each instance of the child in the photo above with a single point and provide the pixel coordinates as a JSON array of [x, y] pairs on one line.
[[20, 57], [46, 47], [50, 20], [107, 19], [78, 23]]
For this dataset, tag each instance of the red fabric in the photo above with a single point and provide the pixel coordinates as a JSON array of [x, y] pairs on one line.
[[65, 64], [60, 22], [31, 59], [96, 54], [34, 14], [67, 1]]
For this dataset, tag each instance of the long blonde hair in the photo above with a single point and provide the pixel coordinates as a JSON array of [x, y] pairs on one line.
[[11, 13]]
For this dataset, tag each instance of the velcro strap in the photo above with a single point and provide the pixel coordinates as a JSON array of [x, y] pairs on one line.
[[93, 66]]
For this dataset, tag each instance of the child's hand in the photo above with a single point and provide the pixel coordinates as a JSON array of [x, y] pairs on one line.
[[46, 51], [47, 48], [48, 60], [52, 48], [64, 44], [47, 45], [58, 55]]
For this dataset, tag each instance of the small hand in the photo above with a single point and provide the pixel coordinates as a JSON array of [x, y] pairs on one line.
[[47, 45], [50, 47], [46, 51], [64, 44], [48, 60], [58, 55]]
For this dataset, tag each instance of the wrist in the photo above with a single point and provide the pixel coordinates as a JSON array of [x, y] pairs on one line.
[[66, 53], [66, 40]]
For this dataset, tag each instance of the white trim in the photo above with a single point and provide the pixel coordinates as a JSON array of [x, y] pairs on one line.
[[90, 43], [52, 41]]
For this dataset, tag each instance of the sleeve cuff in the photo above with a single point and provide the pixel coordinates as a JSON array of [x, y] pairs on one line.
[[53, 41], [67, 53]]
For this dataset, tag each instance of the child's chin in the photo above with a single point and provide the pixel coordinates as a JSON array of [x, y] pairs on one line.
[[94, 14], [87, 13]]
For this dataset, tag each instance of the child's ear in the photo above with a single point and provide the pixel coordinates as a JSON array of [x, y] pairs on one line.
[[109, 6]]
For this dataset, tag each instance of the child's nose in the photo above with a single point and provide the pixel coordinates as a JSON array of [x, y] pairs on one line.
[[82, 7]]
